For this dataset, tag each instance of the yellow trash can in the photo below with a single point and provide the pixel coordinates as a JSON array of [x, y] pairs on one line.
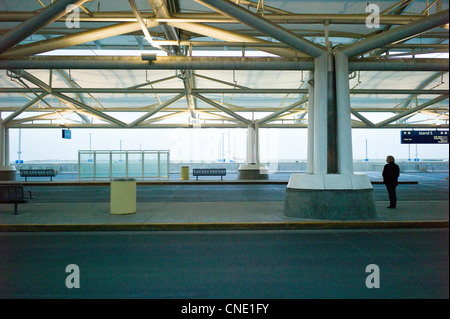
[[184, 172], [123, 196]]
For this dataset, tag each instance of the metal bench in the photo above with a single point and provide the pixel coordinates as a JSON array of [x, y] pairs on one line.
[[209, 172], [37, 173], [13, 194]]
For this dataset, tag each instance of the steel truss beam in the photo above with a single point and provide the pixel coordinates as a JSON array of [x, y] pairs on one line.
[[213, 63], [412, 111], [51, 13], [274, 115], [205, 126], [221, 108], [156, 110], [74, 39], [34, 108], [78, 90], [65, 98], [279, 18], [24, 108], [244, 40], [265, 26], [397, 34], [232, 108]]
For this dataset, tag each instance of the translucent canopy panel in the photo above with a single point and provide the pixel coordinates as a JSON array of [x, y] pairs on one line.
[[220, 91]]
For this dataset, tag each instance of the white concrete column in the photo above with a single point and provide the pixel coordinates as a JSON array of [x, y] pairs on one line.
[[7, 159], [310, 152], [344, 125], [320, 114], [252, 147], [253, 169], [2, 143], [257, 143]]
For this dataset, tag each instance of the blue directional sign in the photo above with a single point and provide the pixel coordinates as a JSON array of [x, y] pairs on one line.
[[66, 134], [424, 137]]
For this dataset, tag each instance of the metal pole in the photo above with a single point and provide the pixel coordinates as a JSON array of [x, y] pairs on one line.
[[51, 13], [257, 143], [90, 141], [222, 157], [142, 165], [397, 34], [20, 144], [2, 144], [74, 39], [159, 165], [213, 63], [366, 152], [310, 151], [79, 166], [257, 22]]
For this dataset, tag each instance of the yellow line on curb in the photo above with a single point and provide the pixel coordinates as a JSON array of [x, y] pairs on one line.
[[225, 226]]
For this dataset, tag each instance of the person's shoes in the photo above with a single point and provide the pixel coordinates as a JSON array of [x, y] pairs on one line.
[[391, 207]]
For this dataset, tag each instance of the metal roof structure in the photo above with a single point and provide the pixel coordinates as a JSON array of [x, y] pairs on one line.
[[218, 63]]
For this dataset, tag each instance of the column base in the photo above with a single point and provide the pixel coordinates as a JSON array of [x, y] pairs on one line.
[[330, 197], [253, 171], [7, 173]]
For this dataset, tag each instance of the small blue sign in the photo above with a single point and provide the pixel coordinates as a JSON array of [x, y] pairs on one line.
[[66, 134]]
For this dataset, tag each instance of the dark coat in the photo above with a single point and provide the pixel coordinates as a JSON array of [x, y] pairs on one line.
[[391, 172]]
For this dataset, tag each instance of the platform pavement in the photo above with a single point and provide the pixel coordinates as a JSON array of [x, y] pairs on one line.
[[166, 215]]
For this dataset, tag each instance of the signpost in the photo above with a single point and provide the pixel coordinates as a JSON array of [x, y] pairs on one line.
[[424, 137]]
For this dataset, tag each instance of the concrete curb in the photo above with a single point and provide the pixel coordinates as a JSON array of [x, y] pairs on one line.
[[224, 226], [191, 182]]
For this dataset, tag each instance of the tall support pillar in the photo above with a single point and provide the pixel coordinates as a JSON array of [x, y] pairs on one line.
[[344, 125], [7, 158], [253, 169], [320, 114], [310, 151], [7, 172], [2, 144], [330, 190], [252, 156]]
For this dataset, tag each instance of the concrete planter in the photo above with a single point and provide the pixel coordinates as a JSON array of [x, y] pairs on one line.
[[7, 173]]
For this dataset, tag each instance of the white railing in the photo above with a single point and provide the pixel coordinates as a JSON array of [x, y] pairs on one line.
[[118, 164]]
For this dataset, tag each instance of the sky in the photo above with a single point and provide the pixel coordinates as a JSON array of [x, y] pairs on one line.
[[195, 145]]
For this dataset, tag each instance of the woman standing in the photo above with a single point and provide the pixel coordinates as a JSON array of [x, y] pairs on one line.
[[391, 172]]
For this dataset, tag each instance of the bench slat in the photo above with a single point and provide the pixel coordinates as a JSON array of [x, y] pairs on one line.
[[209, 172], [13, 194], [37, 173]]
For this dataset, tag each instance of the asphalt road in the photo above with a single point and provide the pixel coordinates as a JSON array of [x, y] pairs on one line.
[[226, 264]]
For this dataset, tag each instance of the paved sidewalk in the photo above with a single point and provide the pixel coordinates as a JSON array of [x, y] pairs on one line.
[[202, 207]]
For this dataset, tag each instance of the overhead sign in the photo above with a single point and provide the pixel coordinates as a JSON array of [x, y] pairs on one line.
[[424, 137], [66, 134]]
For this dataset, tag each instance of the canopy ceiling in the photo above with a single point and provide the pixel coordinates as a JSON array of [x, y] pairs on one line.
[[222, 91]]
